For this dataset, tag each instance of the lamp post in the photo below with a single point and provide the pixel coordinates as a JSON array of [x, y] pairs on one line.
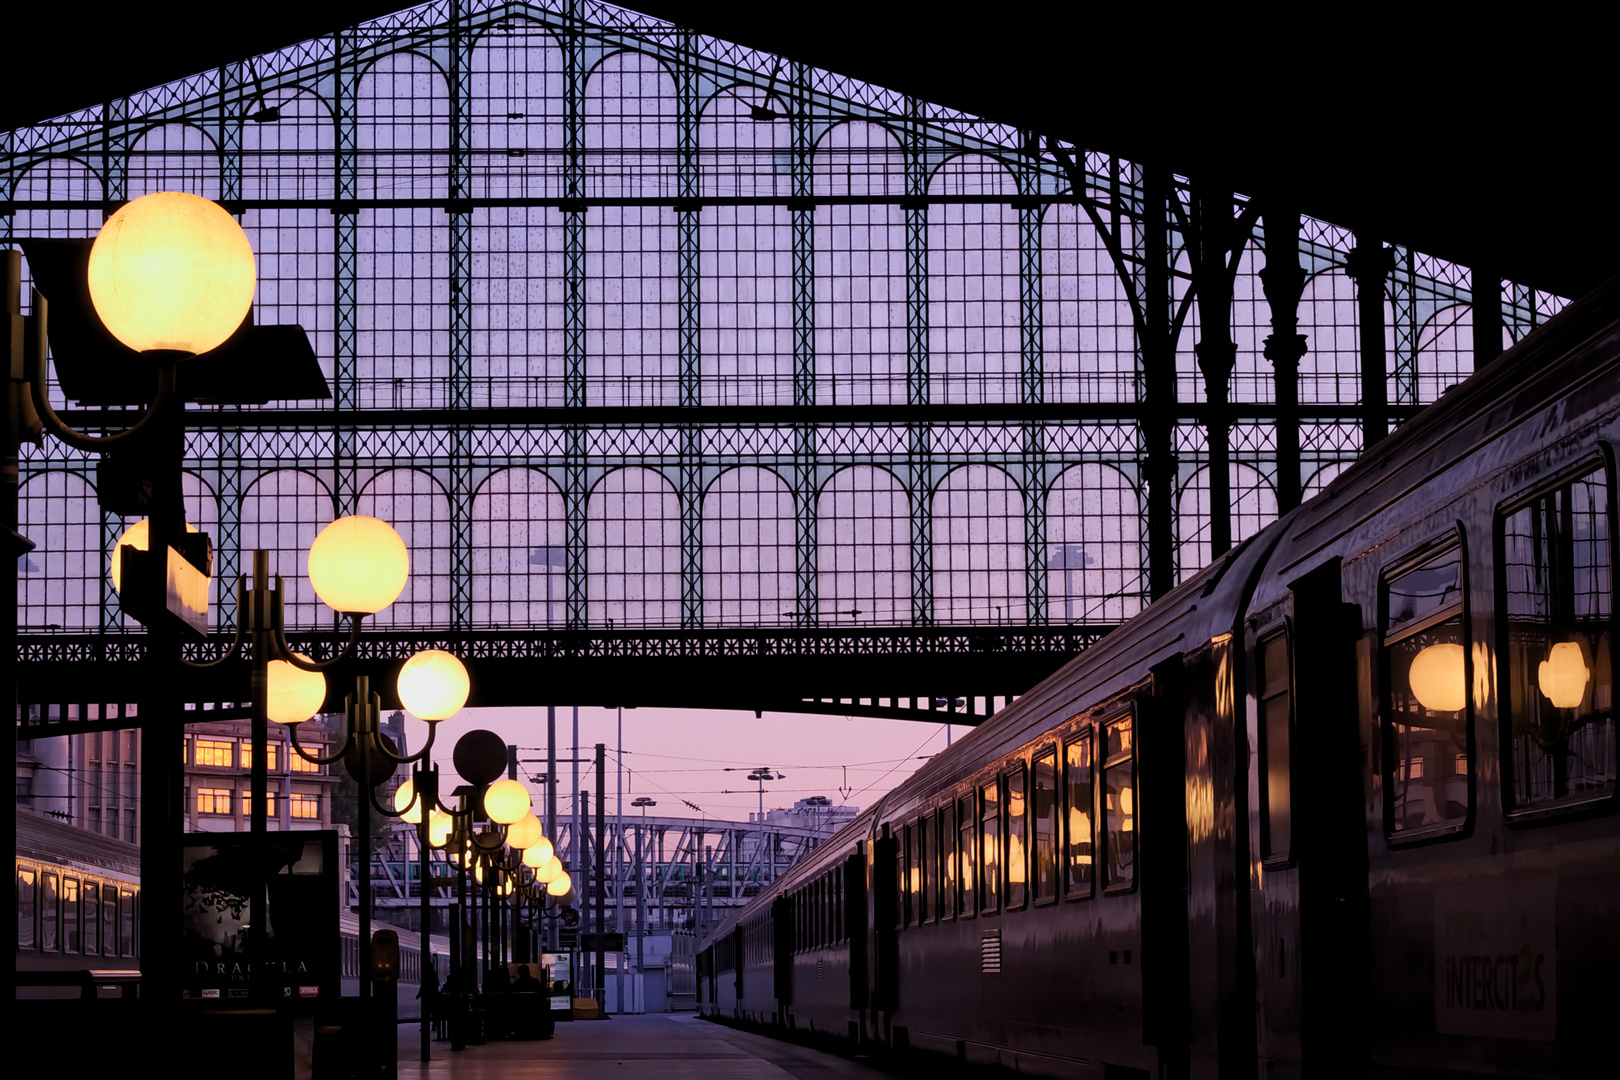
[[761, 775], [641, 889]]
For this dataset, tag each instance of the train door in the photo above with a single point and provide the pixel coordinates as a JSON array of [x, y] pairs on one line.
[[855, 926], [884, 984], [1160, 806], [782, 923]]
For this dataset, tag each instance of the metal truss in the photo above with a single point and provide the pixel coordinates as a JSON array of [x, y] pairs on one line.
[[1099, 452]]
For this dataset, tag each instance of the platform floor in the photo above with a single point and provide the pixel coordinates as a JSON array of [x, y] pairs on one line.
[[674, 1046]]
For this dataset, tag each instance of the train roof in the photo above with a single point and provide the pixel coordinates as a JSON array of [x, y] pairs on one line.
[[42, 837]]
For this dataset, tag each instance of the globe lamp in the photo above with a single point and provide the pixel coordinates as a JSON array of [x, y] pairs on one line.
[[506, 801], [560, 887], [525, 832], [171, 271], [533, 859], [548, 872], [1563, 675], [406, 805], [137, 536], [358, 565], [440, 826], [543, 851], [433, 685], [293, 694], [1438, 677]]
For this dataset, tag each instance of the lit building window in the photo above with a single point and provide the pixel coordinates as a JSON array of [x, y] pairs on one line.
[[213, 800], [304, 807], [247, 804], [272, 758], [214, 752], [298, 763]]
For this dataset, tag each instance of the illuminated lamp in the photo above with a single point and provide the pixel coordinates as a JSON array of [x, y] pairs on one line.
[[433, 685], [171, 271], [560, 887], [543, 850], [137, 537], [534, 858], [358, 565], [525, 832], [506, 801], [1563, 675], [293, 695], [405, 803], [548, 872], [1438, 678], [440, 826]]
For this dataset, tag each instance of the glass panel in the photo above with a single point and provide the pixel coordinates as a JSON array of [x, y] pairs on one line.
[[1275, 716], [304, 807], [1559, 604], [1425, 591], [1081, 802], [1045, 817], [271, 756], [1119, 803], [270, 808], [913, 869], [72, 939], [215, 753], [930, 871], [27, 907], [126, 923], [109, 921], [990, 857], [50, 915], [92, 918], [1017, 848], [947, 860], [1428, 694], [967, 850]]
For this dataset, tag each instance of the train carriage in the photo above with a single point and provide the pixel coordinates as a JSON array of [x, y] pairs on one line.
[[1341, 803]]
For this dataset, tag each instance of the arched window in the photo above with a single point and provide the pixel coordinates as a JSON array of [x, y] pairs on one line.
[[860, 269], [290, 159], [59, 583], [974, 350], [632, 349], [745, 296], [979, 554], [749, 561], [1094, 547], [282, 512], [633, 556], [1445, 353], [517, 95], [1254, 506], [403, 284], [1252, 377], [863, 548], [519, 552], [1088, 332], [1330, 370], [55, 179], [414, 504], [174, 157]]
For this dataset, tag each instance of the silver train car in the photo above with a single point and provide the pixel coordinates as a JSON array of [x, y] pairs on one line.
[[1343, 803]]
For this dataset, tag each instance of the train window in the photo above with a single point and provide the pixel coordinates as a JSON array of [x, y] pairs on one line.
[[50, 914], [966, 880], [1558, 596], [126, 924], [1427, 781], [947, 860], [72, 928], [990, 846], [215, 753], [92, 918], [1017, 832], [27, 908], [1119, 802], [928, 901], [109, 921], [1276, 727], [912, 858], [1080, 872], [1044, 815]]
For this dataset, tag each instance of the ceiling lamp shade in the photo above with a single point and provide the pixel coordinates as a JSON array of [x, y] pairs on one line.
[[433, 685], [1438, 677], [405, 803], [506, 801], [137, 536], [1564, 674], [358, 565], [171, 271], [440, 826], [525, 832], [549, 871], [293, 694]]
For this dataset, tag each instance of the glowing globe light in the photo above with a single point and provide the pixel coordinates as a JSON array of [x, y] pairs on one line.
[[525, 832], [407, 804], [433, 685], [171, 271], [561, 887], [293, 694], [506, 801], [1438, 677], [549, 871], [137, 536], [543, 851], [1563, 675], [533, 859], [358, 565], [440, 826]]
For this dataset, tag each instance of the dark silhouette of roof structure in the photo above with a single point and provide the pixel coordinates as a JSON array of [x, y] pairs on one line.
[[1477, 139]]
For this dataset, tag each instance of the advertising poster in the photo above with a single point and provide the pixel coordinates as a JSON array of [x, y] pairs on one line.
[[294, 952]]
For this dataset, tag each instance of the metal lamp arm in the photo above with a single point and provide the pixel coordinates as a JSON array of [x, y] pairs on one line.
[[36, 364], [410, 759], [285, 652], [236, 643], [387, 812], [316, 759]]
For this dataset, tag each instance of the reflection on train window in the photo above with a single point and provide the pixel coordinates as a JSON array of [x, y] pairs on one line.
[[1080, 799], [27, 907], [947, 860], [930, 876], [1276, 742], [1017, 833], [72, 937], [215, 753], [990, 844], [1044, 815], [1119, 802], [50, 915], [1427, 783], [109, 921], [912, 859], [1559, 602], [126, 923], [967, 880], [92, 918]]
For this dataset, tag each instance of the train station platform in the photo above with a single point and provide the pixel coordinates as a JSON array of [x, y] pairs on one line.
[[663, 1046]]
